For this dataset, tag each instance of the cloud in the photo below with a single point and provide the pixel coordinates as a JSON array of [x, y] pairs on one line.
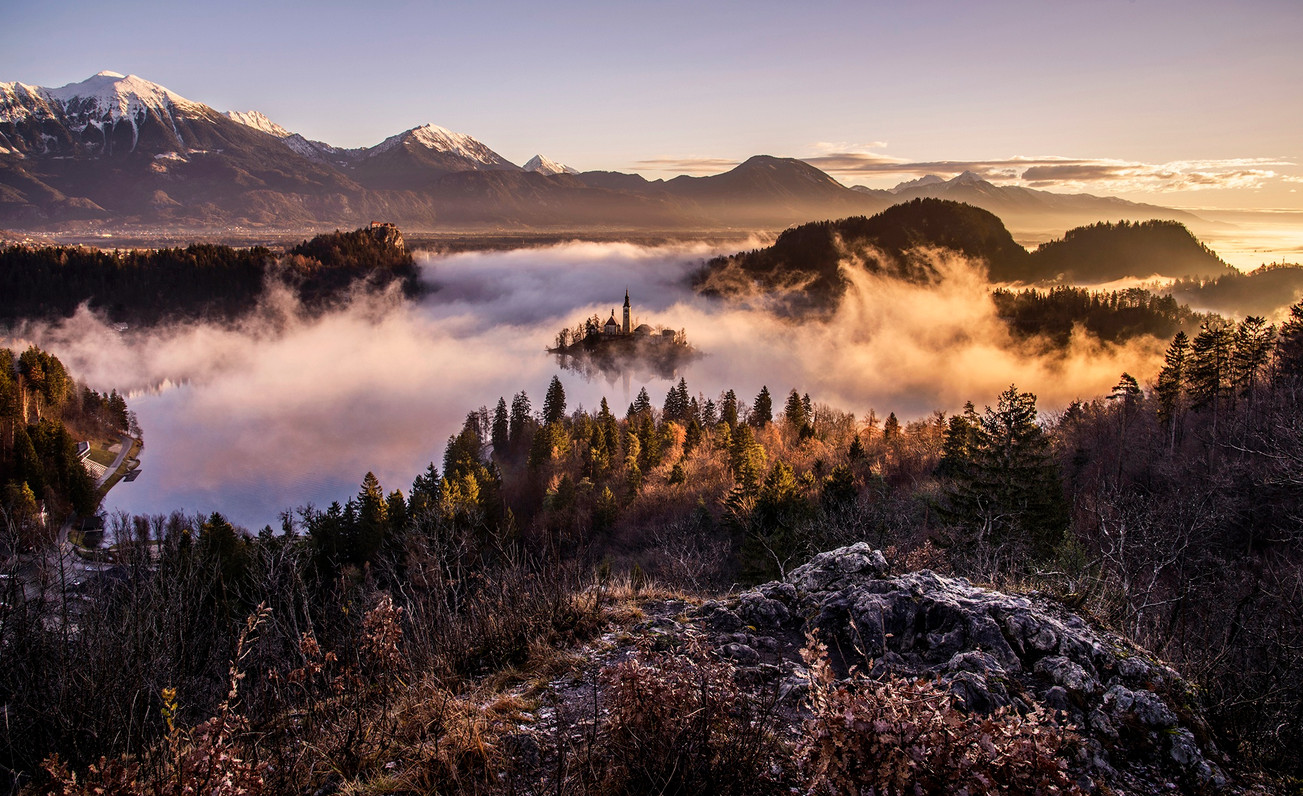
[[1190, 175], [1062, 173], [687, 165], [283, 409]]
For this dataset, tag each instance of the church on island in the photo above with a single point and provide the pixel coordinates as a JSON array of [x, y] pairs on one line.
[[618, 348], [612, 328]]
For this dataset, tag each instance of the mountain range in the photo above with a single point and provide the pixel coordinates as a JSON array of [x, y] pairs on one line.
[[120, 152]]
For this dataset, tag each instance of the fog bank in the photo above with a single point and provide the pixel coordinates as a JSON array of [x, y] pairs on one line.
[[283, 410]]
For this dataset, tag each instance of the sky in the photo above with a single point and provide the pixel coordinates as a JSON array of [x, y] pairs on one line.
[[1187, 103]]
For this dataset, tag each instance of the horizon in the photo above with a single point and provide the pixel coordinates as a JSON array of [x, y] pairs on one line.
[[1176, 104]]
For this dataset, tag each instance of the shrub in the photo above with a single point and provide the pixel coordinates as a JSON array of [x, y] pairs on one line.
[[678, 722], [898, 736]]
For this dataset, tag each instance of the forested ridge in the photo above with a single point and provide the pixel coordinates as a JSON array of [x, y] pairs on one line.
[[1169, 512], [198, 282], [804, 268], [1262, 291], [1110, 316], [43, 414]]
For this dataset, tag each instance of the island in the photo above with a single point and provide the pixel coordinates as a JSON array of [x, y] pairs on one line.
[[618, 348]]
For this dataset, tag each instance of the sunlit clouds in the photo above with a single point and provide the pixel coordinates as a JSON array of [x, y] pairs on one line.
[[1062, 174], [282, 410]]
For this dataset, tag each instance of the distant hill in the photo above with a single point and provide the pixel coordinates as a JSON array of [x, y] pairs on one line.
[[767, 190], [1266, 291], [804, 263], [1106, 252], [1025, 208], [806, 260], [198, 282]]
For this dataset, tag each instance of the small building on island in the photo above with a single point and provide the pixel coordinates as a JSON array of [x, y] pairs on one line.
[[617, 330], [617, 347]]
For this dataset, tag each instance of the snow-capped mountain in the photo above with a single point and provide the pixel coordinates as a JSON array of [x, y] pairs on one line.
[[545, 165], [259, 121], [926, 179], [414, 159], [444, 141], [109, 113], [313, 150], [119, 150]]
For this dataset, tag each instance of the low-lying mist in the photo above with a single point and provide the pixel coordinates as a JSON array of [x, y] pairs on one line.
[[283, 410]]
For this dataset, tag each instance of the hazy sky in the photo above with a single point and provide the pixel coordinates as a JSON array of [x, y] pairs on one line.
[[1189, 103]]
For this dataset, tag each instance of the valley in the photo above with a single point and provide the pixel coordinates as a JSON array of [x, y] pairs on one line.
[[810, 398]]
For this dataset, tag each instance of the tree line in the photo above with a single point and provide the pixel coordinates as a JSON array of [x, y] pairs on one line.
[[1111, 316], [43, 413], [200, 281]]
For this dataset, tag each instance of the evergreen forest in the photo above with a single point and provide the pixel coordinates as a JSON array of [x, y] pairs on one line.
[[144, 287]]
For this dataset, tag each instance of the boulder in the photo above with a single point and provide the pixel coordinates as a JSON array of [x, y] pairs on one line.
[[994, 650]]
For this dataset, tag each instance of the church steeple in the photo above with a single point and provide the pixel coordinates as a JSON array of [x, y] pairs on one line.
[[627, 327]]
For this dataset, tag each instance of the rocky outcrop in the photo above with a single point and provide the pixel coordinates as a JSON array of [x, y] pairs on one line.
[[1141, 730]]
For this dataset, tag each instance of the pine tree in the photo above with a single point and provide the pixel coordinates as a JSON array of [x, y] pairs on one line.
[[1172, 380], [728, 409], [794, 412], [225, 547], [1210, 364], [680, 400], [641, 405], [747, 459], [372, 518], [554, 403], [960, 442], [1251, 354], [1010, 493], [396, 510], [610, 431], [520, 426], [426, 489], [709, 415], [501, 435], [890, 428], [1127, 389], [856, 452], [1289, 345], [692, 436], [763, 412]]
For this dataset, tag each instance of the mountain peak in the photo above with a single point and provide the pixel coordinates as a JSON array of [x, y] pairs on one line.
[[968, 178], [546, 165], [108, 97], [926, 179], [258, 121], [442, 141]]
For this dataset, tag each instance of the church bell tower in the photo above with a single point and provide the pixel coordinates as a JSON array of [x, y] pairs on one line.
[[627, 327]]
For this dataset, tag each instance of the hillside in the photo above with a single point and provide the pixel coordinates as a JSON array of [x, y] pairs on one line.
[[1265, 291], [804, 261], [803, 265], [1105, 252], [200, 281], [1025, 208]]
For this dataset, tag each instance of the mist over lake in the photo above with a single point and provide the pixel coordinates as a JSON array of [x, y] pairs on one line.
[[282, 410]]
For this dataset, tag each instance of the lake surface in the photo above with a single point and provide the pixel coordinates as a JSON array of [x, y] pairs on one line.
[[283, 412]]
